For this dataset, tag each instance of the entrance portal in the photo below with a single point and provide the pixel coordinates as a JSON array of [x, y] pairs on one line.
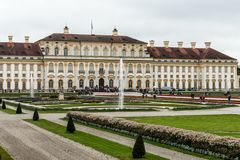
[[101, 84]]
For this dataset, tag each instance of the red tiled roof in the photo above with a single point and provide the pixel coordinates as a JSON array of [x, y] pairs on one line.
[[90, 38], [186, 53], [19, 49]]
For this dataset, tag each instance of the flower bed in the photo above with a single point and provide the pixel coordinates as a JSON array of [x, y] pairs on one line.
[[223, 147]]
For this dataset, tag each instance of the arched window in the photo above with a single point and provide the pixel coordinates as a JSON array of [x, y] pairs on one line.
[[65, 51], [75, 51], [101, 68], [95, 51], [139, 84], [130, 68], [56, 51], [91, 67], [111, 83], [60, 84], [51, 67], [140, 53], [130, 83], [139, 68], [81, 83], [47, 50], [105, 51], [70, 68], [91, 83], [86, 51], [147, 68], [114, 52], [50, 84], [132, 53], [60, 68], [124, 52], [81, 67], [70, 84], [147, 83]]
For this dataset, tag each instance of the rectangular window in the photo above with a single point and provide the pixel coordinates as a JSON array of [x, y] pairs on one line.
[[1, 85], [16, 67], [1, 67], [39, 67], [31, 67], [24, 67], [16, 85], [8, 85], [24, 85], [39, 85], [8, 67]]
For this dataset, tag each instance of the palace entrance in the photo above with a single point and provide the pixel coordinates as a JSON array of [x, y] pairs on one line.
[[101, 84]]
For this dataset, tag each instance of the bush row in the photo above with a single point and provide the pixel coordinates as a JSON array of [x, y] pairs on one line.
[[223, 147]]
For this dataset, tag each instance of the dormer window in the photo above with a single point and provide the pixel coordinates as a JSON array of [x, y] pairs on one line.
[[47, 50]]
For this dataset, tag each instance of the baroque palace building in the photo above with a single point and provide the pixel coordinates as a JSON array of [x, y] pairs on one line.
[[74, 61]]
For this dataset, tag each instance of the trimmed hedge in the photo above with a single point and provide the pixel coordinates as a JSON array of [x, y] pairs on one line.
[[204, 143]]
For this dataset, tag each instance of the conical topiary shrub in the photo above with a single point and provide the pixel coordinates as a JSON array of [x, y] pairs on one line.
[[139, 148], [70, 125], [19, 109], [35, 115], [3, 105]]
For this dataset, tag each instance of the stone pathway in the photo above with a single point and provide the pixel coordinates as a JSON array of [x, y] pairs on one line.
[[163, 152], [25, 141]]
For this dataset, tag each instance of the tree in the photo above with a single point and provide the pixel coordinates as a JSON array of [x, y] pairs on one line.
[[19, 109], [3, 105], [0, 100], [35, 115], [139, 148], [70, 125]]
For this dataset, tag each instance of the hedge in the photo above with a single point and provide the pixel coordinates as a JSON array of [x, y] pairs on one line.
[[204, 143]]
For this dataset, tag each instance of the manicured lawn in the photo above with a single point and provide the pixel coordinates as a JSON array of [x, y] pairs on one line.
[[152, 142], [9, 111], [4, 155], [223, 125], [108, 147]]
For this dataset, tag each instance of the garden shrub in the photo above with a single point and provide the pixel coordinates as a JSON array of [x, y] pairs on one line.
[[139, 148], [19, 109], [70, 125], [35, 115], [3, 105]]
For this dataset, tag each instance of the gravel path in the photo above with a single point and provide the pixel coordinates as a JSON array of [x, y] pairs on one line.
[[25, 141], [163, 152]]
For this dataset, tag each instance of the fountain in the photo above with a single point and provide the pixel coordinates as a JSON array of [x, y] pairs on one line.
[[121, 83], [31, 86]]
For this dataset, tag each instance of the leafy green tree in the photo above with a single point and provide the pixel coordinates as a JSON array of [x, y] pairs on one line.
[[139, 148], [3, 105], [70, 125], [35, 115], [19, 109]]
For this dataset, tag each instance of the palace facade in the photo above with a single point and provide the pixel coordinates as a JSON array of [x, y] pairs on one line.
[[74, 61]]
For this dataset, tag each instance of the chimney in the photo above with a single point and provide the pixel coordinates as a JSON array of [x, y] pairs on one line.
[[193, 45], [66, 30], [115, 32], [10, 39], [180, 44], [166, 43], [207, 44], [26, 39], [151, 43]]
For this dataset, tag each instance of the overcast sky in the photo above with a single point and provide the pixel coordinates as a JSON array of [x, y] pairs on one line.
[[217, 21]]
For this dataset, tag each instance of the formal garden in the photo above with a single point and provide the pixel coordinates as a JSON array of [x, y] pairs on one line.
[[202, 136]]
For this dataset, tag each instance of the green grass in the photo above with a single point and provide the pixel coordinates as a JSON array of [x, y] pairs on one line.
[[9, 111], [222, 125], [108, 147], [152, 142], [4, 155]]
